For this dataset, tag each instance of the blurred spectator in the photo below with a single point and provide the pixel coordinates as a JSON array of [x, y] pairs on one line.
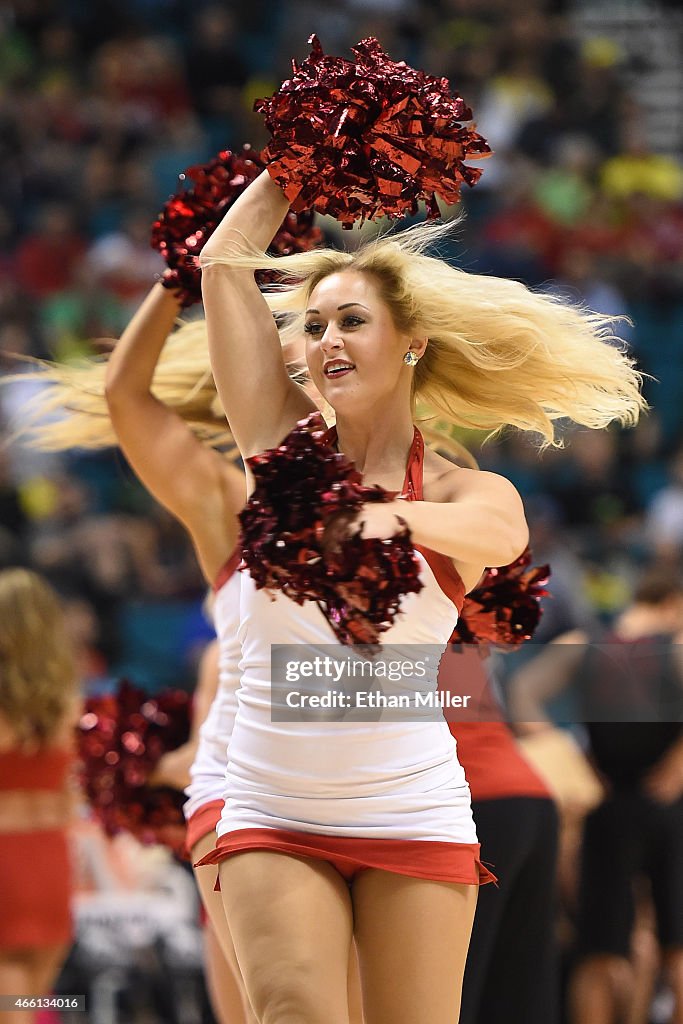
[[47, 259], [512, 97], [567, 606], [101, 105], [216, 70], [143, 75], [123, 263], [664, 519], [594, 102], [517, 237], [589, 486], [628, 684], [581, 277], [564, 191], [72, 320], [638, 170], [61, 52], [644, 461], [84, 634]]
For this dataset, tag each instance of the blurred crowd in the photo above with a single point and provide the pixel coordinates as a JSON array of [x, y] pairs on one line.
[[101, 105]]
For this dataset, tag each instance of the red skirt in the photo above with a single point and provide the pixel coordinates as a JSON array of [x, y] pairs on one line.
[[35, 890], [438, 861]]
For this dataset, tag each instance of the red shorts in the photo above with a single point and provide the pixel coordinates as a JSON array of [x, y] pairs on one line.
[[438, 861]]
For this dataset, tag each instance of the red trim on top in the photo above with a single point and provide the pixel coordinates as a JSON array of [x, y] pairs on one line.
[[412, 483], [445, 573], [228, 569]]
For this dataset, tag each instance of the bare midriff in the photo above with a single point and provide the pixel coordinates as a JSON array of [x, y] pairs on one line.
[[33, 810]]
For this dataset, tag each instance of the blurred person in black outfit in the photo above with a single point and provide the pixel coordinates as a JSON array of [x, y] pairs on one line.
[[629, 689]]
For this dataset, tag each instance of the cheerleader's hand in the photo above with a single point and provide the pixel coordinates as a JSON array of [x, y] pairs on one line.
[[173, 768], [380, 520]]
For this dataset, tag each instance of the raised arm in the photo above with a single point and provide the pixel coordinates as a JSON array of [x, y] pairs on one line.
[[196, 484], [261, 401]]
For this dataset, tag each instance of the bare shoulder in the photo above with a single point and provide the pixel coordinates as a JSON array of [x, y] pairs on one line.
[[445, 482], [438, 474]]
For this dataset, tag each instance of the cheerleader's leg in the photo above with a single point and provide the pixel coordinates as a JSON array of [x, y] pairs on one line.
[[291, 921], [224, 978], [412, 937]]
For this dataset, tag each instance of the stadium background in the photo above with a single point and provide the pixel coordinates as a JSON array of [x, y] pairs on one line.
[[102, 104]]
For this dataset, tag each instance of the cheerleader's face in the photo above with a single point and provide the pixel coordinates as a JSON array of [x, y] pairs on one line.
[[354, 350]]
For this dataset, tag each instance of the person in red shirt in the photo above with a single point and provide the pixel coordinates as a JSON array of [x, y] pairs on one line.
[[46, 260], [38, 710]]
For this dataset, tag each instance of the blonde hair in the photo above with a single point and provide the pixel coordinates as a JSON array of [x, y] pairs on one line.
[[499, 354], [182, 380], [37, 670]]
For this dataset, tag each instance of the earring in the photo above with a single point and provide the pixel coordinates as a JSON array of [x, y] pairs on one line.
[[410, 358]]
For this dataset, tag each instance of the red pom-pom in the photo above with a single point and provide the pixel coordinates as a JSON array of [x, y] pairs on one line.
[[306, 495], [505, 607], [368, 139], [121, 738], [191, 216]]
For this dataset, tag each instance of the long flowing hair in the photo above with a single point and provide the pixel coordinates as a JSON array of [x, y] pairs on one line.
[[70, 408], [499, 354], [37, 670]]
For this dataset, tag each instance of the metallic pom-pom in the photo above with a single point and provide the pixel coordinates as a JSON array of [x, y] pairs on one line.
[[121, 737], [298, 536], [505, 607], [370, 138], [190, 217]]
